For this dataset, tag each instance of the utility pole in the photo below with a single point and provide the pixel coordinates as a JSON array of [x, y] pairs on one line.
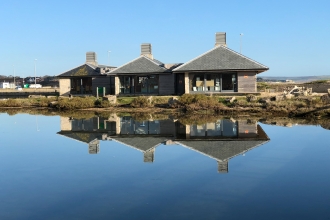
[[14, 77], [109, 56], [35, 72], [240, 42]]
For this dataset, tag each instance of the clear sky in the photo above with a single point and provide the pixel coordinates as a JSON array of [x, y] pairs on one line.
[[290, 37]]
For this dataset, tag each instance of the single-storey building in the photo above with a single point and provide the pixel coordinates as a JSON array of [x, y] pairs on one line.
[[144, 75], [86, 78], [218, 70]]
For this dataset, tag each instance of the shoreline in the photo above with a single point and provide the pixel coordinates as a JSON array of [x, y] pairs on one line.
[[262, 106]]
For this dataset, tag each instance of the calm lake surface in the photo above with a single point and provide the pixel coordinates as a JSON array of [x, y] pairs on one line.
[[56, 167]]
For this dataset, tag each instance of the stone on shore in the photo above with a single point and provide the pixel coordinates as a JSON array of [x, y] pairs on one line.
[[111, 98], [251, 98], [173, 102]]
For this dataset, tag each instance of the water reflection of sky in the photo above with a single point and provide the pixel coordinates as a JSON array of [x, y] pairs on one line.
[[48, 176]]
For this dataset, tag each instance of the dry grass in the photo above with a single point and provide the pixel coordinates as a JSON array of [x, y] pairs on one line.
[[141, 102], [76, 103]]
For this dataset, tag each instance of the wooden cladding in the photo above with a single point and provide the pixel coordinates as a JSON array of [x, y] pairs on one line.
[[246, 82]]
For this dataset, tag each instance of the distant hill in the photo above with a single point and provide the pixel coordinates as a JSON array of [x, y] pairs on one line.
[[297, 79]]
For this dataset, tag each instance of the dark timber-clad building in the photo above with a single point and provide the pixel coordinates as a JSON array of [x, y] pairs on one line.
[[144, 75], [84, 79], [218, 70]]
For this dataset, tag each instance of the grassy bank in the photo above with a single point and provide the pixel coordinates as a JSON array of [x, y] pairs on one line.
[[196, 104]]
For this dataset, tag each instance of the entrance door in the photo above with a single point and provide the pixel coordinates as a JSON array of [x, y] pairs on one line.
[[141, 84], [228, 82], [180, 83]]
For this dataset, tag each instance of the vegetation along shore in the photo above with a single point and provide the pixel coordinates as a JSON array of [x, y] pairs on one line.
[[286, 105]]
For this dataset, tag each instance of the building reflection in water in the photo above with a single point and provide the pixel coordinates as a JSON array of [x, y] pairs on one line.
[[220, 140]]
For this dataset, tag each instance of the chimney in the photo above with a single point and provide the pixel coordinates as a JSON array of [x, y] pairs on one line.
[[91, 58], [220, 39], [94, 147], [149, 156], [223, 166], [146, 50]]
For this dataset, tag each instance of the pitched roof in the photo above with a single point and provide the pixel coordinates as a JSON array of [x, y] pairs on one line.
[[141, 64], [221, 58], [85, 137], [140, 143], [83, 70], [221, 150]]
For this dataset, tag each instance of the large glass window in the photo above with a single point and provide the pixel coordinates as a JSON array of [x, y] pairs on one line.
[[198, 82], [153, 84], [142, 84], [220, 128], [129, 126], [81, 86], [139, 84], [212, 82], [125, 84]]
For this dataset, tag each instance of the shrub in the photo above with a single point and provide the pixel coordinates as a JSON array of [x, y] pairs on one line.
[[76, 103], [160, 100], [186, 99], [44, 102], [141, 102], [10, 103], [200, 102], [102, 103], [125, 100]]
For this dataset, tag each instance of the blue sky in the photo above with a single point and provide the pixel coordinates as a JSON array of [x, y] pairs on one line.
[[290, 37]]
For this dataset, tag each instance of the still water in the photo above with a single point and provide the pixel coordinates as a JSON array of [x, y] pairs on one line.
[[56, 167]]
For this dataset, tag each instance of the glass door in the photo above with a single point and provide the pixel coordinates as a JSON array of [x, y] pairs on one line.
[[141, 84], [126, 83], [228, 82]]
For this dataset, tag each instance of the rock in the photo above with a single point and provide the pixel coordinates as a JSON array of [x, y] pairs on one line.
[[328, 92], [273, 98], [251, 98], [279, 97], [173, 102], [288, 96], [264, 100], [53, 104], [232, 99], [37, 96], [325, 99], [150, 99], [111, 98]]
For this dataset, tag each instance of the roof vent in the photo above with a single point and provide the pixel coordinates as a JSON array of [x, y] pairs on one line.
[[146, 50], [91, 58], [220, 39]]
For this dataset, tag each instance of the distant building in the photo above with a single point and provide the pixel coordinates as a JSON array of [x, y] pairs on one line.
[[7, 85]]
